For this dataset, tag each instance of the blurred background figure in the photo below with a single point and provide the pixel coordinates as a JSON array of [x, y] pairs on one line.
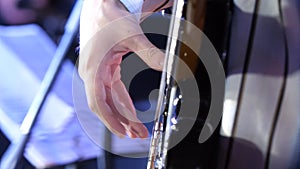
[[49, 14], [30, 32], [21, 11]]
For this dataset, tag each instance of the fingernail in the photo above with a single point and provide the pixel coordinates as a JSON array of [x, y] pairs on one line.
[[120, 136], [130, 134], [143, 136], [133, 136]]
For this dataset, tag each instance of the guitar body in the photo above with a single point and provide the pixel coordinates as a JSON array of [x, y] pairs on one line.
[[212, 17], [260, 126], [261, 114]]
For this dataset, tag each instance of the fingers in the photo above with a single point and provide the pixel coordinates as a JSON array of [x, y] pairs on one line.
[[107, 95], [124, 106], [96, 97], [114, 107], [150, 54]]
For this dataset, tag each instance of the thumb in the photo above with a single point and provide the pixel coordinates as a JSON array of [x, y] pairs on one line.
[[150, 54]]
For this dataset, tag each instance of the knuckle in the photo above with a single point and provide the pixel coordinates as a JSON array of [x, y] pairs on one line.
[[152, 52]]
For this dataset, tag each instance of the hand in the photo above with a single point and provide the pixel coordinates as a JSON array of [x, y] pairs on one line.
[[107, 32]]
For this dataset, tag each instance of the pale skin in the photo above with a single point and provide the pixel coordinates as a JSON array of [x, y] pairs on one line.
[[107, 32]]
